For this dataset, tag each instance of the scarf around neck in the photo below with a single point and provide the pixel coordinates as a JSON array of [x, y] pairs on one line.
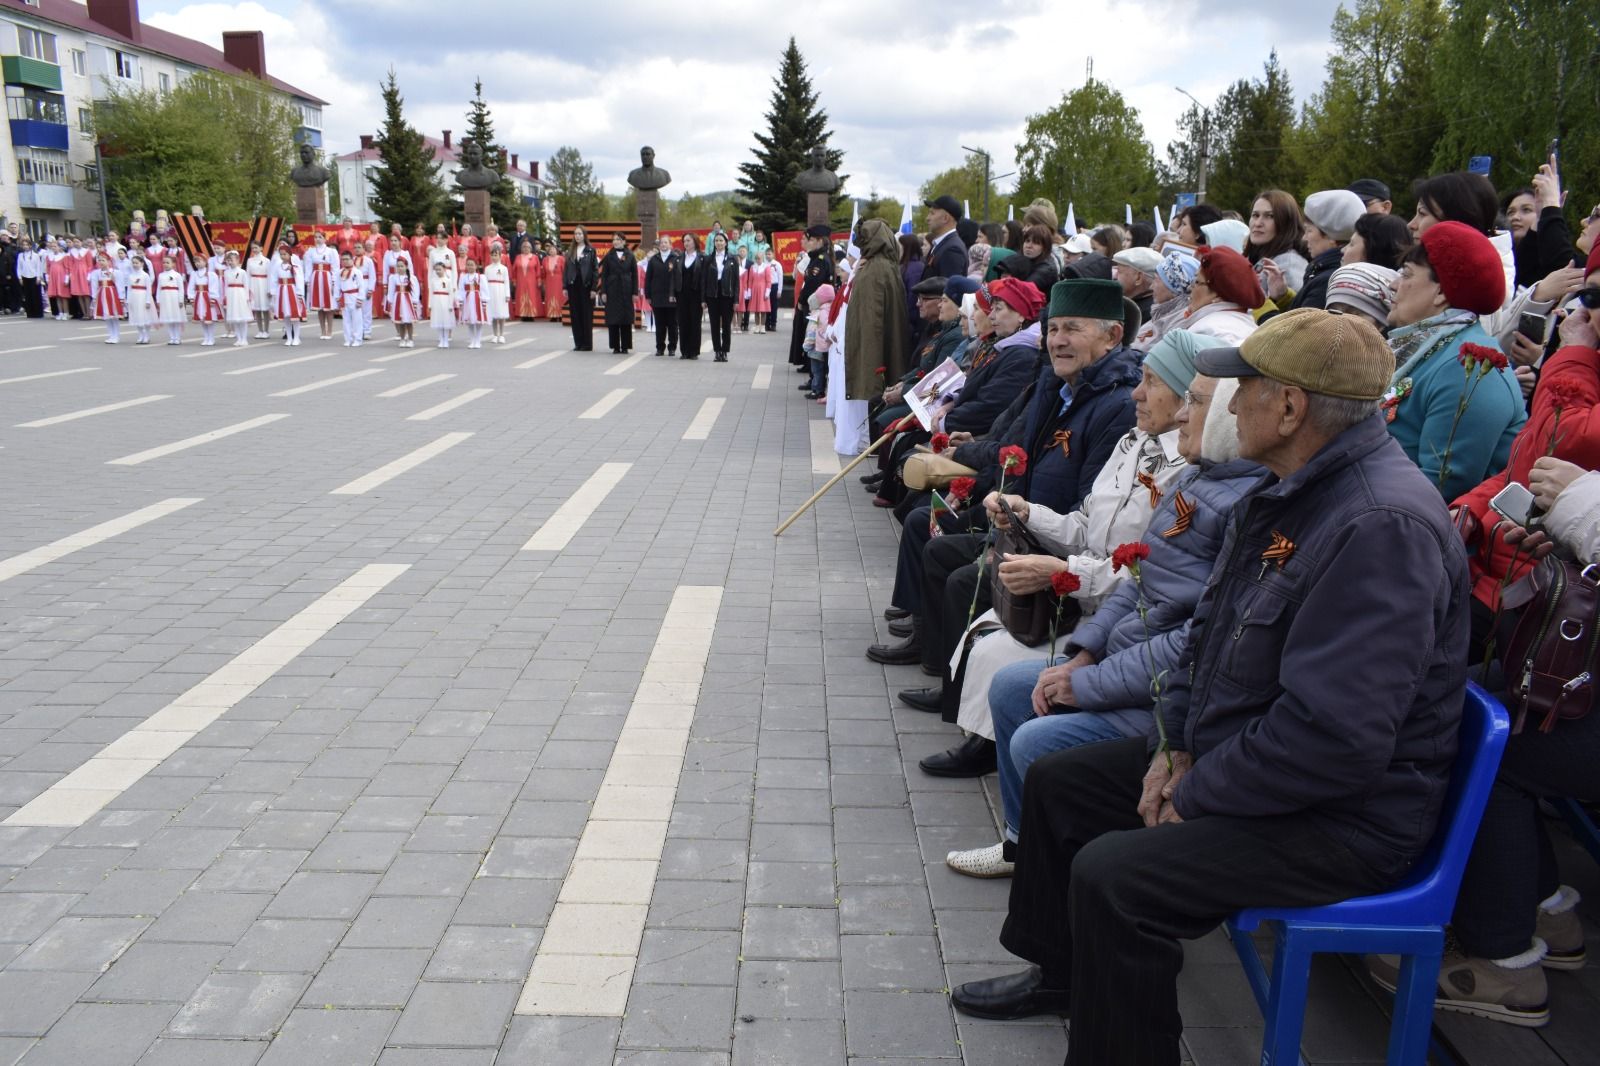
[[1415, 343]]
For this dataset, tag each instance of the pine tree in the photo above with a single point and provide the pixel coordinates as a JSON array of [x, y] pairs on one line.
[[406, 186], [503, 203], [767, 190], [1253, 131]]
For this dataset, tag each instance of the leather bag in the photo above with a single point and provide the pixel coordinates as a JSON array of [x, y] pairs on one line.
[[1027, 617], [924, 471], [1551, 636]]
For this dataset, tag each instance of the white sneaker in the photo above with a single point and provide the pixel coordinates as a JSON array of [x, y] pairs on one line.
[[981, 862]]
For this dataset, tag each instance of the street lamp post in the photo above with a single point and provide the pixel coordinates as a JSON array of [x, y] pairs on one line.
[[1205, 144], [986, 162]]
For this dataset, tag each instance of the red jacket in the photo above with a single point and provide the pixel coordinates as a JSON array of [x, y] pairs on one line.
[[1572, 377]]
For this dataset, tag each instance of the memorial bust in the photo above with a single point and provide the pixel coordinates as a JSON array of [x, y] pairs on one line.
[[818, 178], [648, 175], [473, 174], [309, 174]]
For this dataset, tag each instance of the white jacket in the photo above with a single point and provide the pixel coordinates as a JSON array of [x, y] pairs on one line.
[[1574, 521], [1227, 322]]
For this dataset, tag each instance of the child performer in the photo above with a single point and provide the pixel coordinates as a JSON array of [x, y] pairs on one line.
[[401, 300], [169, 298], [204, 292], [235, 298], [352, 295], [758, 289], [641, 300], [58, 287], [79, 264], [497, 282], [320, 264], [259, 267], [474, 306], [141, 308], [107, 300], [290, 303], [442, 302], [367, 265]]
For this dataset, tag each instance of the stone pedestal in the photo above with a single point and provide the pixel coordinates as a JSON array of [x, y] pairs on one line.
[[817, 209], [649, 216], [476, 209], [308, 206]]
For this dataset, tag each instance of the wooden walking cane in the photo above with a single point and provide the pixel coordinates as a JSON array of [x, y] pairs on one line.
[[835, 479]]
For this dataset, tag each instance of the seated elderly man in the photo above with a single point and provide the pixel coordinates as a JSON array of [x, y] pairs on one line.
[[1312, 722]]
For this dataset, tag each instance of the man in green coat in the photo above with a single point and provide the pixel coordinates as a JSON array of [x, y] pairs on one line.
[[875, 327]]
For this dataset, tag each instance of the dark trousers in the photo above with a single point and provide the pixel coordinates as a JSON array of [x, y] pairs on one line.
[[666, 328], [772, 308], [1100, 903], [914, 541], [621, 335], [581, 304], [719, 309], [32, 298], [797, 341], [689, 328], [10, 293], [951, 594], [1512, 866]]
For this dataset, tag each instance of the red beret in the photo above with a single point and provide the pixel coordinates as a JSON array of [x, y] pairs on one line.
[[1469, 270], [1023, 297], [1594, 260], [1231, 277]]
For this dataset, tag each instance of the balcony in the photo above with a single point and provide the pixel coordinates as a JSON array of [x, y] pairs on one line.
[[307, 135], [42, 197], [32, 133], [20, 70]]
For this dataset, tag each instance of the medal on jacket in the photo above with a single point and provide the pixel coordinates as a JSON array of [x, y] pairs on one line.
[[1063, 437], [1150, 483], [1185, 517], [1391, 399]]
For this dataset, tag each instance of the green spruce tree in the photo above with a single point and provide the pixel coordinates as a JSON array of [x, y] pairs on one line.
[[767, 190], [406, 186], [503, 203]]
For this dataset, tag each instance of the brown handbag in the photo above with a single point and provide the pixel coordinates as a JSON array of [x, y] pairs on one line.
[[925, 470], [1026, 617], [1552, 637]]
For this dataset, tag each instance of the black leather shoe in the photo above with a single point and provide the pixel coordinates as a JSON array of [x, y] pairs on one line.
[[973, 757], [905, 653], [1016, 995], [921, 699], [806, 387], [872, 479], [894, 614], [902, 628]]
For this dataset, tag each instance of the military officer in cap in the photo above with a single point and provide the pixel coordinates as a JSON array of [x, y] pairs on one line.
[[819, 272]]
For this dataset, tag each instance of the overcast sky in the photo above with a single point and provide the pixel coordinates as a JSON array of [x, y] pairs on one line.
[[905, 84]]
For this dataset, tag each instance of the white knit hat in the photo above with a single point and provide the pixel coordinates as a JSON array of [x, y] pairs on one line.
[[1334, 212], [1219, 439], [1362, 287]]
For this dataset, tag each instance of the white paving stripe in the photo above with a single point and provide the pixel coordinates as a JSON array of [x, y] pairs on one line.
[[89, 412], [603, 406], [72, 800], [413, 386], [824, 460], [325, 382], [56, 549], [389, 471], [627, 364], [35, 348], [705, 418], [51, 374], [590, 945], [508, 345], [191, 442], [277, 363], [540, 360], [407, 354], [449, 405], [763, 378], [564, 524]]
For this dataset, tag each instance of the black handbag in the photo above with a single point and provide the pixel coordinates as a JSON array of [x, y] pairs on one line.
[[1027, 617]]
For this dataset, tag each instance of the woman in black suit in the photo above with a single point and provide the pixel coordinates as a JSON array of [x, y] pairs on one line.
[[579, 280], [720, 282], [619, 284], [691, 298]]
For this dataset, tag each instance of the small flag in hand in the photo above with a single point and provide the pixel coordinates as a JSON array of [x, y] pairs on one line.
[[936, 507]]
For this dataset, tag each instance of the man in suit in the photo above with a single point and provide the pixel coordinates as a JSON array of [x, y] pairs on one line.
[[521, 241], [947, 258], [663, 281]]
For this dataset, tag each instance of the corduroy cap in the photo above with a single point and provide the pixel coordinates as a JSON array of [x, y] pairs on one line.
[[1321, 352], [1086, 298]]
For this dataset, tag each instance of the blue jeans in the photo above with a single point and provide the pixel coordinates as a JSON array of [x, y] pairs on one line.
[[819, 371], [1020, 736]]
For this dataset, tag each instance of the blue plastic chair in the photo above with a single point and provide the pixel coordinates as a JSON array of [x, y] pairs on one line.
[[1408, 921], [1581, 824]]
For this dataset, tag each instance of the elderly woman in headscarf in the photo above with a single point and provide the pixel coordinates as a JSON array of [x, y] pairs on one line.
[[1169, 292], [875, 333]]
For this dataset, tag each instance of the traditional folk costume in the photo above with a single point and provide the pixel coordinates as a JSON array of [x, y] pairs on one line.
[[236, 303], [527, 274], [641, 302], [404, 303], [141, 302], [369, 281], [441, 254], [108, 302], [352, 295], [79, 264], [555, 293], [418, 251], [442, 306], [759, 301], [169, 301], [289, 303], [205, 293], [58, 287], [259, 267], [497, 288], [474, 310], [321, 265]]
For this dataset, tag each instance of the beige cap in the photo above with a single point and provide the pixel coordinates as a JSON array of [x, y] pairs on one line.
[[1322, 352]]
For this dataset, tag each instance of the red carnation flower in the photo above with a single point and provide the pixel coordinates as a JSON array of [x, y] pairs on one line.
[[883, 370], [1129, 555], [1014, 460], [1479, 356], [962, 487], [1065, 583], [939, 443]]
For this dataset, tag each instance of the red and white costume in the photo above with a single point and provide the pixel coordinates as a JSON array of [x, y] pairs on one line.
[[474, 303], [288, 283], [402, 298], [497, 287], [320, 266], [141, 307], [169, 296], [108, 301], [555, 285], [259, 267], [205, 293]]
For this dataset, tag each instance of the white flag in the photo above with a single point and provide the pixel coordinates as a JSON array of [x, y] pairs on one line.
[[1160, 228], [1127, 214], [855, 215], [1011, 212], [1072, 221], [905, 217]]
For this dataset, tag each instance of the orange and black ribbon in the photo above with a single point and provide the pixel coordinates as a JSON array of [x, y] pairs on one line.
[[1150, 483], [1063, 437], [1185, 518], [1280, 551]]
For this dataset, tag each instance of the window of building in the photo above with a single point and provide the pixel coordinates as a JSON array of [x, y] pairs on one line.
[[127, 65], [86, 120], [35, 105], [45, 166], [80, 62], [311, 116], [36, 229], [36, 44], [164, 82], [91, 177], [72, 227]]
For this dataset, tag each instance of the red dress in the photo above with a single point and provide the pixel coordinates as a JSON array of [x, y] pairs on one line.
[[418, 250], [760, 286], [347, 239], [78, 268], [526, 274], [555, 293], [380, 245]]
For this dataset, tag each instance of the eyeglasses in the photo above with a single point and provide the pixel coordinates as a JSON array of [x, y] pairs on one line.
[[1593, 215], [1195, 399], [1589, 297]]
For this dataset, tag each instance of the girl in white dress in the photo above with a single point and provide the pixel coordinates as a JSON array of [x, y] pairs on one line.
[[141, 306], [442, 302], [497, 284], [236, 298], [400, 299], [169, 298], [288, 284], [106, 299], [321, 266], [259, 267], [474, 310]]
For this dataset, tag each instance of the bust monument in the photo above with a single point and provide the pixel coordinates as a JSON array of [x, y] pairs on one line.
[[473, 174], [309, 174], [647, 176], [818, 178]]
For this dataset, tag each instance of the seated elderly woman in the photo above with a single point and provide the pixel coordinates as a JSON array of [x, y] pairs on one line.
[[1104, 690], [1222, 296], [1169, 297], [1142, 468], [1364, 289]]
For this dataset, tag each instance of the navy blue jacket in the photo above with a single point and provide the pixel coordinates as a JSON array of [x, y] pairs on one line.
[[1101, 412], [1330, 684], [991, 388]]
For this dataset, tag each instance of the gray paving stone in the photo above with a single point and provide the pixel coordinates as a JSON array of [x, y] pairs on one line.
[[884, 909], [696, 905], [882, 1024], [778, 1042], [483, 953], [314, 894], [448, 1014], [208, 917], [239, 1005], [792, 806], [32, 1001], [789, 989], [285, 945], [791, 933], [106, 1034], [184, 1052], [83, 944], [999, 1045], [891, 962], [688, 957], [679, 1017], [356, 851], [251, 870], [400, 922], [154, 971], [571, 1041], [799, 884], [508, 901], [136, 892], [540, 857], [26, 915], [367, 977], [437, 1056], [330, 1038]]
